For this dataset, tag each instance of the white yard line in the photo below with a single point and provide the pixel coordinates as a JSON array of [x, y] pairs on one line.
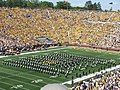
[[91, 75], [21, 82], [1, 77], [2, 88], [17, 75], [53, 49], [24, 74], [12, 85]]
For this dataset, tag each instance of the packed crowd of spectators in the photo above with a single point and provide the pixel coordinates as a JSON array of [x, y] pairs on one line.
[[106, 81], [21, 27]]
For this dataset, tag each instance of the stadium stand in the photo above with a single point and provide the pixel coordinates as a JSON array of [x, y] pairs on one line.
[[107, 81], [20, 28]]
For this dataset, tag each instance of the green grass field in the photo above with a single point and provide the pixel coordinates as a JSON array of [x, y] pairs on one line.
[[12, 76]]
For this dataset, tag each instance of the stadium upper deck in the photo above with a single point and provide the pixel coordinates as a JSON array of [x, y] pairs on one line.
[[20, 27]]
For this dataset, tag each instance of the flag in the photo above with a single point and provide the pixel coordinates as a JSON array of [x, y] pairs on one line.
[[111, 3]]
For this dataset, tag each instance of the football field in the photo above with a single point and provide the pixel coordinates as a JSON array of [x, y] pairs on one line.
[[22, 78]]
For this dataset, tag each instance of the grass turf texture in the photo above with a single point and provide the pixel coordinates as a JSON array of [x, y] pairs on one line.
[[12, 76]]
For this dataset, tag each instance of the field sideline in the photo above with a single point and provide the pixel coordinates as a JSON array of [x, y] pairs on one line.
[[11, 76], [50, 49]]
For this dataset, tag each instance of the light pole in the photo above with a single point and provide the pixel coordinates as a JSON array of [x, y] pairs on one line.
[[111, 3]]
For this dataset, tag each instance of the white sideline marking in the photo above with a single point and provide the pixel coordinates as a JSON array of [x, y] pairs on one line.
[[91, 75], [37, 51]]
